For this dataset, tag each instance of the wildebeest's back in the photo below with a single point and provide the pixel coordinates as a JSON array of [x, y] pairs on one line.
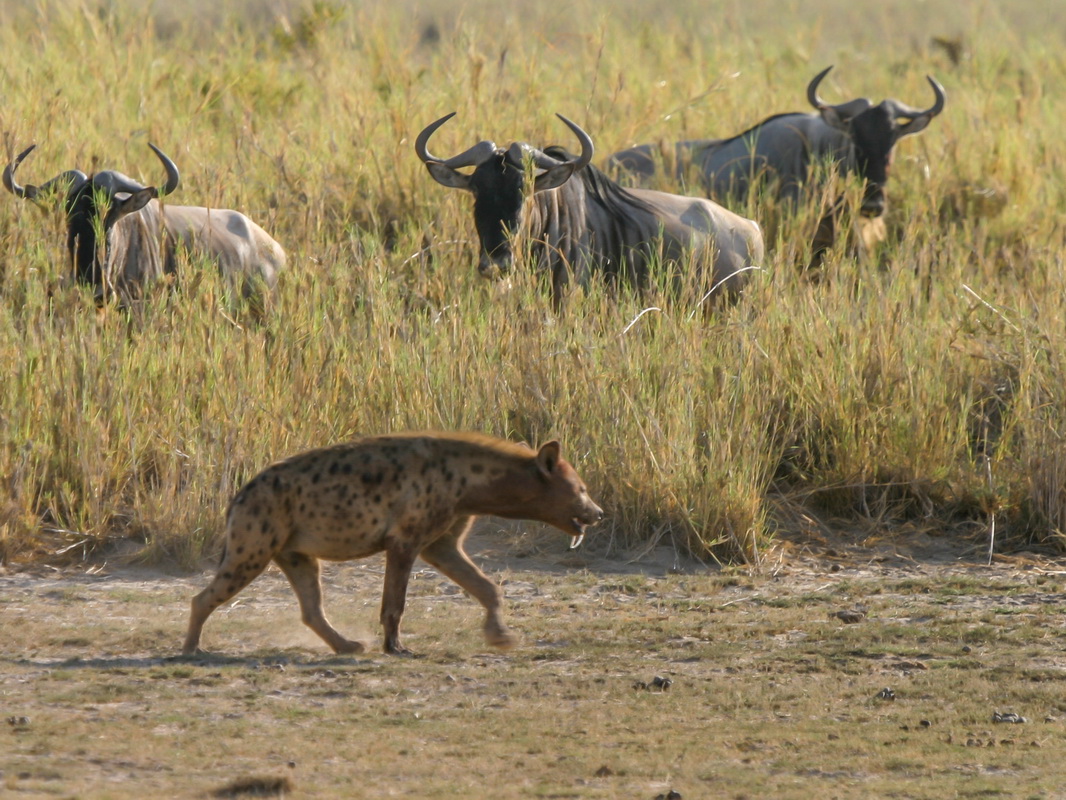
[[241, 248], [717, 235], [624, 230]]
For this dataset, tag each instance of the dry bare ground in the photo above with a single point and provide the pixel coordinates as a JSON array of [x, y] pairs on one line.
[[867, 672]]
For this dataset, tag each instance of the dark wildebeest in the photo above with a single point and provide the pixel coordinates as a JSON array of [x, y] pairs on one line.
[[142, 236], [856, 136], [577, 221]]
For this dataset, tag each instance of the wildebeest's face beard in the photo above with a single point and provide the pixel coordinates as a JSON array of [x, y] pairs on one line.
[[499, 192], [83, 224], [873, 133], [92, 211]]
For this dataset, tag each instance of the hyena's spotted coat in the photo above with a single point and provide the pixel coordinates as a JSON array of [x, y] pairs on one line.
[[408, 495]]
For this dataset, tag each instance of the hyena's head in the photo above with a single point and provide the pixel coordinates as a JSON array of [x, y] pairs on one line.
[[564, 499]]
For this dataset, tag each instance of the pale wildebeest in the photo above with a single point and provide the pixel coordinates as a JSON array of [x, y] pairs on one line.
[[856, 136], [142, 236], [576, 221]]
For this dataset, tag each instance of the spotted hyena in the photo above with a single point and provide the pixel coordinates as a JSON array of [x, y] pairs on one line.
[[408, 495]]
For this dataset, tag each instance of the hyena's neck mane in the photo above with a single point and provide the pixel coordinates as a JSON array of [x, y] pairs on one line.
[[473, 445]]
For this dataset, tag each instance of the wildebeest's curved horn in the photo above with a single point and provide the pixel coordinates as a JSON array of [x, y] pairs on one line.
[[72, 177], [812, 89], [844, 111], [901, 110], [29, 192], [422, 142], [473, 156], [173, 177], [468, 158], [587, 148]]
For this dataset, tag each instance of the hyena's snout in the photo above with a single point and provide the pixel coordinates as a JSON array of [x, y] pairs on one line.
[[588, 513]]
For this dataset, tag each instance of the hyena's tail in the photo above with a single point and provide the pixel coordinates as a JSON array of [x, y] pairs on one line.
[[233, 503], [225, 533]]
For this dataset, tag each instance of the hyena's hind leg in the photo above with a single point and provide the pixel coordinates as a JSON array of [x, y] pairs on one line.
[[234, 573], [303, 573]]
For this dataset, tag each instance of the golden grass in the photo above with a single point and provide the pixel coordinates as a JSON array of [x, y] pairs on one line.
[[923, 382]]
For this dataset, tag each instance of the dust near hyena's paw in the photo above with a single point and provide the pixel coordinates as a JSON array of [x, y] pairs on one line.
[[349, 647]]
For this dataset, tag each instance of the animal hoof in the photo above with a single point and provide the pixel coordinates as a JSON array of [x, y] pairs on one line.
[[349, 647]]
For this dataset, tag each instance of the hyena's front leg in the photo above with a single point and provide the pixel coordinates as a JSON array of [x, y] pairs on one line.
[[447, 555], [303, 573]]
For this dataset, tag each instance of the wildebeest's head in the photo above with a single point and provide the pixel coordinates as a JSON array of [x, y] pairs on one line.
[[874, 131], [93, 204], [500, 184]]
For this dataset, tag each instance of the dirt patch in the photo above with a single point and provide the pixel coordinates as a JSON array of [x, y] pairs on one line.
[[861, 671]]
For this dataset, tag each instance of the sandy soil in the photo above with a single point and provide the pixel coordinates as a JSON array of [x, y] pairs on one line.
[[78, 645]]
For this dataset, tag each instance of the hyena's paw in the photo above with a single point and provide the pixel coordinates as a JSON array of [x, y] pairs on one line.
[[349, 647], [500, 637]]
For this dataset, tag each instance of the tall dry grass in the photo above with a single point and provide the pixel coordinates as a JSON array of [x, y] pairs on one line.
[[920, 384]]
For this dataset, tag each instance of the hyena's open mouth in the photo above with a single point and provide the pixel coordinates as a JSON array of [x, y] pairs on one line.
[[577, 538]]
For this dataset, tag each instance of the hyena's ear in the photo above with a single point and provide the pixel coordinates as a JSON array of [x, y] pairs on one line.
[[548, 458]]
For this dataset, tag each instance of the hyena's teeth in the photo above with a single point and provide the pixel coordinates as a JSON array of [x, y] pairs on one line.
[[576, 541]]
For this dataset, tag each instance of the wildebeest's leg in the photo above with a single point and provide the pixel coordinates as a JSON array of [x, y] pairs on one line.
[[233, 575], [303, 573], [447, 555], [824, 236], [398, 563]]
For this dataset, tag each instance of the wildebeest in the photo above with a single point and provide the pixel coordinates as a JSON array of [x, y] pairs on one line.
[[857, 136], [142, 236], [576, 221], [412, 495]]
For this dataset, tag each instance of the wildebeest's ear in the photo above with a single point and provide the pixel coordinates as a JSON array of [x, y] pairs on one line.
[[553, 178], [833, 118], [916, 125], [548, 458], [135, 202], [446, 176]]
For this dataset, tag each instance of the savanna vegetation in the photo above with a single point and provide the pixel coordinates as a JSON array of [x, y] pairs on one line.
[[907, 388], [919, 383]]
